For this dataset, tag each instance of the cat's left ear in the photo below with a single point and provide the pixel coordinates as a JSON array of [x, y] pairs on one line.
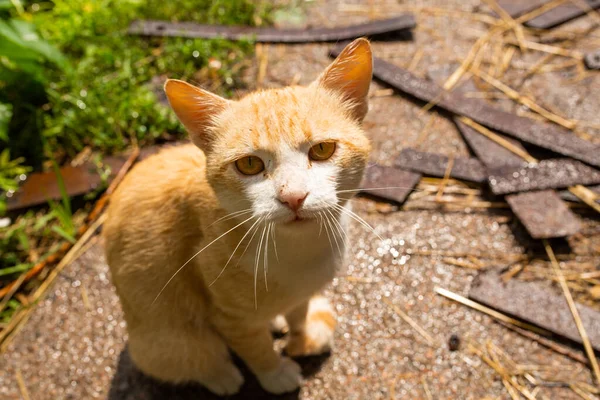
[[350, 74], [196, 109]]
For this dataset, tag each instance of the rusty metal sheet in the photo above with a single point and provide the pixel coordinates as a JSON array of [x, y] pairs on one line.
[[400, 182], [38, 188], [544, 214], [469, 169], [549, 19], [545, 135], [547, 174], [559, 15], [592, 60], [535, 304], [487, 151], [272, 35], [516, 8]]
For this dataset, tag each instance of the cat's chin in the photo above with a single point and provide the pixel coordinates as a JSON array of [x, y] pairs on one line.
[[299, 222]]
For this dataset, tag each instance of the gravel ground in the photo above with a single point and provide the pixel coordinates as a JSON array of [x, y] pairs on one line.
[[73, 345]]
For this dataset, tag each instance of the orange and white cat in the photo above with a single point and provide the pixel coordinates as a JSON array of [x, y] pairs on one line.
[[208, 243]]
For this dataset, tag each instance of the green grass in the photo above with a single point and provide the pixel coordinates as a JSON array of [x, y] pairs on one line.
[[106, 99], [98, 90]]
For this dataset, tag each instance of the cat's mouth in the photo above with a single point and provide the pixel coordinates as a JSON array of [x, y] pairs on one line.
[[297, 219]]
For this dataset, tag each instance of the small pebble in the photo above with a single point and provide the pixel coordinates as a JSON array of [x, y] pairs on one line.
[[454, 342]]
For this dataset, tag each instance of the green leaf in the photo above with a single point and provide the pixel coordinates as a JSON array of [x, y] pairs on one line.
[[5, 116], [63, 233], [5, 4], [14, 269]]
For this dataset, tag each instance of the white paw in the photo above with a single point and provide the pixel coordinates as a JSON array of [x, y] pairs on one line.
[[286, 378], [279, 325], [317, 336], [228, 380]]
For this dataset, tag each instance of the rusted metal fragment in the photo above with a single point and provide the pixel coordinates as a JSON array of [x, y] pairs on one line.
[[516, 8], [535, 304], [547, 174], [566, 195], [549, 19], [560, 15], [469, 169], [272, 35], [487, 151], [544, 214], [592, 60], [41, 187], [389, 183], [545, 135]]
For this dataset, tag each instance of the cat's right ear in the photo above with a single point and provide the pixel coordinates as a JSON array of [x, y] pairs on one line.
[[196, 109]]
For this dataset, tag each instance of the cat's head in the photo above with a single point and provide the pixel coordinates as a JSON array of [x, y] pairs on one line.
[[290, 154]]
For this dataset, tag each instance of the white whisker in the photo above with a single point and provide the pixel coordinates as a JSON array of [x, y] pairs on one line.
[[326, 231], [275, 241], [232, 215], [337, 244], [234, 250], [354, 216], [248, 245], [265, 257], [194, 256], [256, 259]]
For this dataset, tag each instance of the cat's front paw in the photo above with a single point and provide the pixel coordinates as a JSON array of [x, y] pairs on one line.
[[286, 378], [316, 337], [227, 380]]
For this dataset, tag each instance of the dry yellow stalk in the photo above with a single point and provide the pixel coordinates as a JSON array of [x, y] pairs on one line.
[[22, 315], [415, 59], [489, 311], [586, 195], [498, 139], [567, 293], [426, 389], [506, 61], [466, 64], [536, 67], [22, 387], [460, 263], [444, 181], [509, 20], [516, 96], [411, 322], [546, 48], [540, 10]]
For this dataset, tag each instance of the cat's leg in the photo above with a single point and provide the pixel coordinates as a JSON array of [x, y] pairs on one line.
[[180, 355], [311, 328], [254, 345]]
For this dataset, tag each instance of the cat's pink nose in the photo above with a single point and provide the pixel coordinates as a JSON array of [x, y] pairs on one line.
[[294, 200]]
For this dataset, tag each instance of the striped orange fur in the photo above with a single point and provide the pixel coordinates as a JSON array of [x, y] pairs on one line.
[[203, 255]]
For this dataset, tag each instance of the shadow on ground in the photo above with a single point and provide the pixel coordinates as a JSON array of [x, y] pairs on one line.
[[130, 383]]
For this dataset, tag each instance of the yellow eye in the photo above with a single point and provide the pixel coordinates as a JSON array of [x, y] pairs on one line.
[[322, 151], [250, 165]]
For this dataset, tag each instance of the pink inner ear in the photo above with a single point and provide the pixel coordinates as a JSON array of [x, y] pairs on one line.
[[350, 74], [195, 108]]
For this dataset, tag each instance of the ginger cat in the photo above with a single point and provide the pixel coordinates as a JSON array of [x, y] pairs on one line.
[[209, 243]]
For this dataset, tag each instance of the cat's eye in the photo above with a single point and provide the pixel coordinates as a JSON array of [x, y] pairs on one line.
[[321, 151], [250, 165]]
